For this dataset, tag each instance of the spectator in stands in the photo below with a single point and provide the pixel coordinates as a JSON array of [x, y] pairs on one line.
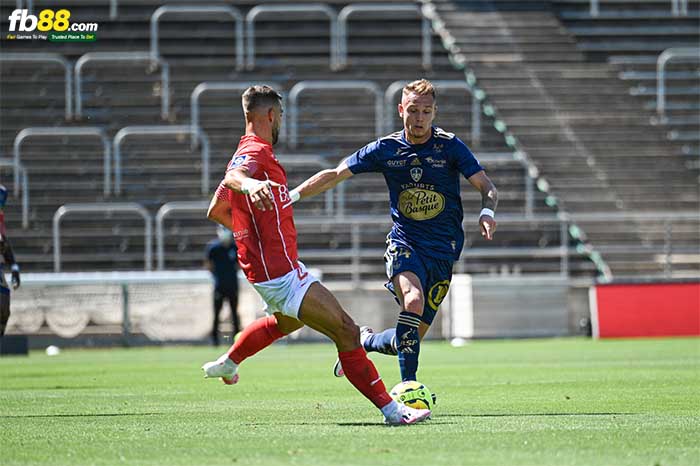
[[222, 262], [422, 166], [9, 257]]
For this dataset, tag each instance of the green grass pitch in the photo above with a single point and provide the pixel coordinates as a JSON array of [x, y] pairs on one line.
[[536, 402]]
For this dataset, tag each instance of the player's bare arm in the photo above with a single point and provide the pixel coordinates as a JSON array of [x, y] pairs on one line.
[[219, 210], [489, 201], [260, 192], [321, 182]]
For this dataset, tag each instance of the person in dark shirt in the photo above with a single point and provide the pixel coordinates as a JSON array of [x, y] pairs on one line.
[[222, 262], [9, 258]]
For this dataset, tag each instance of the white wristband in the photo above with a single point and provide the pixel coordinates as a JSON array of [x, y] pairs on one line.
[[294, 195], [15, 268], [249, 184], [486, 211]]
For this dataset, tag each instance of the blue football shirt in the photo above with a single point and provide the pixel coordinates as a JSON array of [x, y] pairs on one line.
[[423, 182]]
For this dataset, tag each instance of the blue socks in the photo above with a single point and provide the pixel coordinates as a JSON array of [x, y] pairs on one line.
[[408, 344], [382, 342], [403, 340]]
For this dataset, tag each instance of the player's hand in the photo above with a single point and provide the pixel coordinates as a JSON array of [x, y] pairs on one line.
[[488, 226], [15, 278], [262, 195]]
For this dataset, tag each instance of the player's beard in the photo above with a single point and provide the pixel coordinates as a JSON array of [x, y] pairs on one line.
[[275, 134]]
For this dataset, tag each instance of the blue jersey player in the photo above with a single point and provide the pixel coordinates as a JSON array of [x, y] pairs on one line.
[[421, 165]]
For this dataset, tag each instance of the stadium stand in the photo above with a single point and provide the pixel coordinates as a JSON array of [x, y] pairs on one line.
[[590, 137], [332, 123]]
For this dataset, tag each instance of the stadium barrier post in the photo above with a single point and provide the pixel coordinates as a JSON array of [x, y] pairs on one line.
[[101, 207], [668, 239], [51, 58], [674, 53], [594, 8], [65, 131], [294, 8], [349, 10], [301, 86], [203, 87], [125, 314], [233, 12], [356, 244], [123, 56], [165, 211], [564, 238]]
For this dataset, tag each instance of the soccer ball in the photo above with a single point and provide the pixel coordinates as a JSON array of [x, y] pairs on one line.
[[413, 394]]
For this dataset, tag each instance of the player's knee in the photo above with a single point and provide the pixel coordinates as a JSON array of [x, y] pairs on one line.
[[286, 324], [348, 333], [413, 302]]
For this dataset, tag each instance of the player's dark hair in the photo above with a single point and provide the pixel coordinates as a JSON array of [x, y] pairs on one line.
[[260, 97], [420, 87]]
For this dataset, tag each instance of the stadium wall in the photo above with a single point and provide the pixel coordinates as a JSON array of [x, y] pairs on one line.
[[175, 307]]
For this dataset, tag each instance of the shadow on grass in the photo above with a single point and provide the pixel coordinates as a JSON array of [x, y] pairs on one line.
[[78, 415], [443, 418], [533, 414]]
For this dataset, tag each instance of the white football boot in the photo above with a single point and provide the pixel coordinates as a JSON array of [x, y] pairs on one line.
[[406, 415], [223, 368], [365, 332]]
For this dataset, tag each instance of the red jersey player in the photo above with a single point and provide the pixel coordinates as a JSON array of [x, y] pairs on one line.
[[253, 201]]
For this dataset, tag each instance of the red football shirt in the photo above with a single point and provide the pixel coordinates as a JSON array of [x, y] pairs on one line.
[[266, 240]]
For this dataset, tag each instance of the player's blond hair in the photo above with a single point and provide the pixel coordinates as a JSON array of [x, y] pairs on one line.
[[260, 97], [420, 87]]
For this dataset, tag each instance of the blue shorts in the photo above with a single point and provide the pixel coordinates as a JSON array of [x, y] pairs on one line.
[[435, 275]]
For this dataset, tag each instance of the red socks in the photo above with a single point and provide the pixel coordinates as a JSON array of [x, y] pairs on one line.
[[358, 369], [255, 337], [361, 372]]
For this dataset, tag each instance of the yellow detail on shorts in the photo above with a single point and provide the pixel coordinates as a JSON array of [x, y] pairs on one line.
[[421, 204], [437, 293]]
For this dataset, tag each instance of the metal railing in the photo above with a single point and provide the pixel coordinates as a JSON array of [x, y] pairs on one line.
[[222, 86], [301, 86], [357, 225], [672, 54], [28, 6], [344, 16], [164, 212], [160, 130], [101, 207], [396, 86], [645, 219], [71, 131], [529, 183], [678, 7], [50, 58], [320, 161], [123, 56], [24, 181], [293, 8], [234, 13]]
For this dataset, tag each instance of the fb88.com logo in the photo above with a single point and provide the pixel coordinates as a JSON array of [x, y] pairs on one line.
[[48, 20]]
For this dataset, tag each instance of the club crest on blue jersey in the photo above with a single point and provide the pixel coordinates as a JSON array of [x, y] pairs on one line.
[[237, 161], [416, 174]]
